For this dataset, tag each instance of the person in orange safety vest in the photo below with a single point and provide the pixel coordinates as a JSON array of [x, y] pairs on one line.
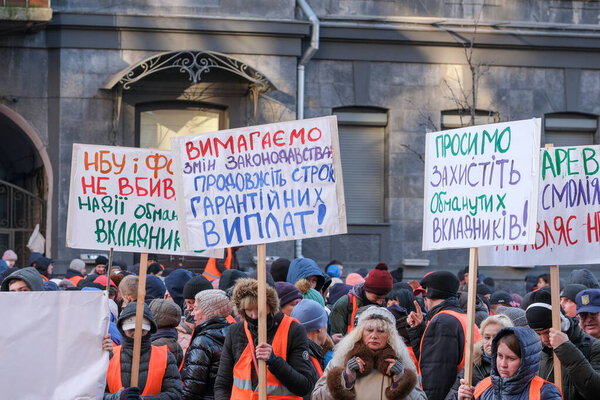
[[289, 369], [158, 372], [313, 318], [440, 339]]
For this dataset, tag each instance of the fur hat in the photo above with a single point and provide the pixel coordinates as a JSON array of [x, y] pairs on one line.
[[248, 287], [101, 260], [214, 303]]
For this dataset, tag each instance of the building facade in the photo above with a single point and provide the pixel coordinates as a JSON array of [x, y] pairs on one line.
[[110, 73]]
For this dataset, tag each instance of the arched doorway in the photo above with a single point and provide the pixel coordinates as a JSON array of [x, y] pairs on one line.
[[25, 185]]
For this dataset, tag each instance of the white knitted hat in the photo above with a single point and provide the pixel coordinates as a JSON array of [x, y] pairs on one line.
[[214, 303]]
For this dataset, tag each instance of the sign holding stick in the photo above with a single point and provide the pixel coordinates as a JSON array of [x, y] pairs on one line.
[[555, 290], [472, 292], [261, 269], [139, 317]]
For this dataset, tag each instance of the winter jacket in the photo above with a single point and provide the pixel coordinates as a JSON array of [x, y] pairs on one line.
[[316, 351], [481, 310], [171, 384], [74, 276], [303, 268], [580, 361], [202, 359], [372, 384], [517, 387], [584, 277], [482, 364], [29, 275], [341, 312], [168, 337], [295, 373], [442, 345]]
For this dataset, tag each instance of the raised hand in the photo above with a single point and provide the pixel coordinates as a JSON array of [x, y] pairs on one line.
[[415, 318]]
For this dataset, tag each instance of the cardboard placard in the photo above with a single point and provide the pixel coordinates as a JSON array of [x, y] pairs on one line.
[[478, 185], [260, 184], [568, 218], [124, 198]]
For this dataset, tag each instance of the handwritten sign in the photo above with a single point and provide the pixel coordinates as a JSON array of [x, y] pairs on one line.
[[260, 184], [123, 198], [568, 219], [481, 185]]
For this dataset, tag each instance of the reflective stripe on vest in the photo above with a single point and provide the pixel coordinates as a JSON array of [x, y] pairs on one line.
[[242, 370], [352, 300], [156, 371], [535, 388], [462, 318], [211, 272], [317, 365]]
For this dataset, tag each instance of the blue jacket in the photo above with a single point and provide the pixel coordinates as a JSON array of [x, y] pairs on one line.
[[517, 386], [303, 268]]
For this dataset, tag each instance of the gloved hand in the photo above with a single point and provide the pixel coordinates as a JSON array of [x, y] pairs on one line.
[[353, 365], [396, 368], [130, 393]]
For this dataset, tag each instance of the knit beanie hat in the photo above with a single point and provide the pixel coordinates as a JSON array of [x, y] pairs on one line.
[[483, 289], [229, 277], [571, 290], [279, 269], [195, 286], [77, 264], [155, 288], [354, 279], [379, 280], [101, 260], [154, 268], [440, 284], [310, 314], [312, 294], [166, 313], [362, 272], [539, 312], [214, 303], [516, 315], [334, 271], [336, 291], [9, 255], [287, 292]]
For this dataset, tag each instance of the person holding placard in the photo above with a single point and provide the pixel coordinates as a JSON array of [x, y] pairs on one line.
[[579, 354], [290, 374], [515, 361], [441, 340], [158, 374]]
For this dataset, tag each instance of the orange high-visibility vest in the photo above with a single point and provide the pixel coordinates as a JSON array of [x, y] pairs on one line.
[[412, 355], [462, 318], [352, 301], [317, 365], [75, 279], [242, 370], [535, 388], [230, 319], [211, 272], [156, 371]]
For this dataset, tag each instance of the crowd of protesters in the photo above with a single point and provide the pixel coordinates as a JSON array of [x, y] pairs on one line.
[[330, 335]]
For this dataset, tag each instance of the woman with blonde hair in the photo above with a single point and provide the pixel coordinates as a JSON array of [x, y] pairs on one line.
[[371, 362]]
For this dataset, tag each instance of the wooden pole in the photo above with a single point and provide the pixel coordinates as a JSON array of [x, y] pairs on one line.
[[139, 316], [108, 268], [555, 291], [261, 269], [473, 254]]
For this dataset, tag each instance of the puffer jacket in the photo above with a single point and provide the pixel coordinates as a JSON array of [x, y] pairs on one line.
[[580, 361], [442, 344], [517, 387], [340, 313], [202, 358], [171, 384]]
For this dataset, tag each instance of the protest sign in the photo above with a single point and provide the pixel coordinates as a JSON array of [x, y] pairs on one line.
[[52, 345], [568, 218], [124, 198], [259, 184], [481, 185]]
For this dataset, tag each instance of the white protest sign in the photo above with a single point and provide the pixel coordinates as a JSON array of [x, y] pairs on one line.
[[52, 345], [481, 185], [260, 184], [568, 219], [124, 198]]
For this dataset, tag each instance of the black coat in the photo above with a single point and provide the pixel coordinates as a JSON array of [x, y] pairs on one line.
[[202, 359], [295, 373], [443, 345], [168, 337]]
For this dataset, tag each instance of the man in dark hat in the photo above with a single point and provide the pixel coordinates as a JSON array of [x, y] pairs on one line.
[[579, 354], [440, 339]]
